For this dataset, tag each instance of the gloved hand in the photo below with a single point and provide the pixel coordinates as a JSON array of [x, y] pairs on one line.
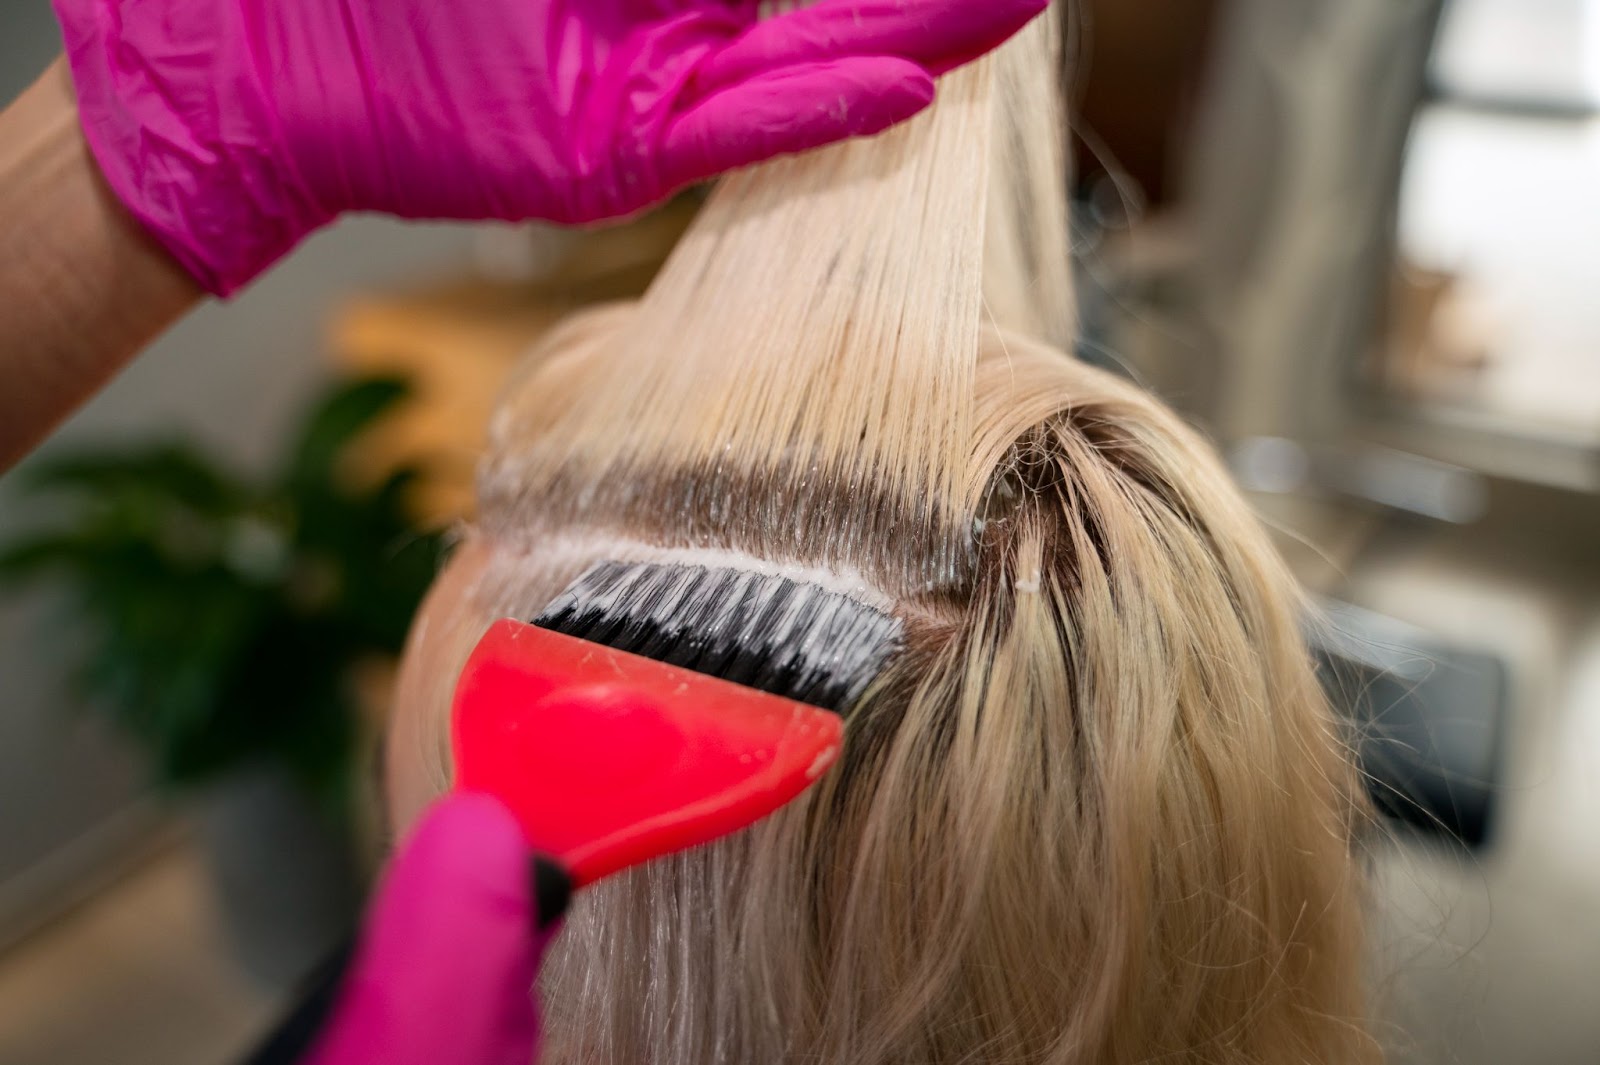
[[446, 964], [232, 128]]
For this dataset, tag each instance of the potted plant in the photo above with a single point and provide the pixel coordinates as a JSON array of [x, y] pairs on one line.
[[229, 618]]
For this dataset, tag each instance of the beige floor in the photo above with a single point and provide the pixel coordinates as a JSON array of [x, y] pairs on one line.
[[1494, 958], [139, 976]]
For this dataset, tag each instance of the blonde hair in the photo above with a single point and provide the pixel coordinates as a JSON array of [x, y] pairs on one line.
[[1097, 810]]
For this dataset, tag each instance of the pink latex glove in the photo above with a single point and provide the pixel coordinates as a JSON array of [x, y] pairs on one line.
[[446, 964], [232, 128]]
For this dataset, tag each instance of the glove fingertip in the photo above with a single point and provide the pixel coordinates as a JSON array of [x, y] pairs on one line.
[[463, 860], [794, 110], [447, 953]]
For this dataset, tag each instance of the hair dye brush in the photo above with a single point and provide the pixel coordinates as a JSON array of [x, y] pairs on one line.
[[654, 707], [648, 709]]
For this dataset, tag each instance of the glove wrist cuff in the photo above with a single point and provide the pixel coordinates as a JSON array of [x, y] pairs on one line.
[[186, 142]]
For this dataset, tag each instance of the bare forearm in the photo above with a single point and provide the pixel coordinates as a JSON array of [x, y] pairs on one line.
[[82, 288]]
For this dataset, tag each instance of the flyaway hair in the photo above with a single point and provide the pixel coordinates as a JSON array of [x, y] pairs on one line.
[[1094, 810]]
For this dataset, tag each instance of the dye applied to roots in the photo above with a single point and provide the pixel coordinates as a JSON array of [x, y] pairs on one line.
[[764, 631]]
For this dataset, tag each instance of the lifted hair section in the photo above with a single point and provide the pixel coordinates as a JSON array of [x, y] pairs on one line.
[[767, 383]]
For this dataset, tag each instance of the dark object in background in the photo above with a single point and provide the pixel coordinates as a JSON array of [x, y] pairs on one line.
[[297, 1031], [286, 877], [1134, 90], [1428, 719]]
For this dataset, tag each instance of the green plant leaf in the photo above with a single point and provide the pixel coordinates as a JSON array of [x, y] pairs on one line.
[[338, 419], [222, 618], [164, 474], [27, 560]]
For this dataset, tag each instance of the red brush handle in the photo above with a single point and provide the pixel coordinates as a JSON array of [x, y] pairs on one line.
[[608, 759]]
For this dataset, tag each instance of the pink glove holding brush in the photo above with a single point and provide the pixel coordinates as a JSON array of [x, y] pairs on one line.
[[233, 128], [596, 759], [446, 966]]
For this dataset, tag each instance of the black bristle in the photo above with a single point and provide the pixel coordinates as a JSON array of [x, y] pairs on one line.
[[794, 639]]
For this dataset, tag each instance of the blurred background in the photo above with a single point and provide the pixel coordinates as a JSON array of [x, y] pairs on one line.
[[1358, 241]]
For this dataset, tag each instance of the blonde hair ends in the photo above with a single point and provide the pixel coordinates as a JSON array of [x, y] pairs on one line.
[[1097, 812]]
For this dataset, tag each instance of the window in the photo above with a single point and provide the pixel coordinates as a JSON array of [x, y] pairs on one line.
[[1496, 311]]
